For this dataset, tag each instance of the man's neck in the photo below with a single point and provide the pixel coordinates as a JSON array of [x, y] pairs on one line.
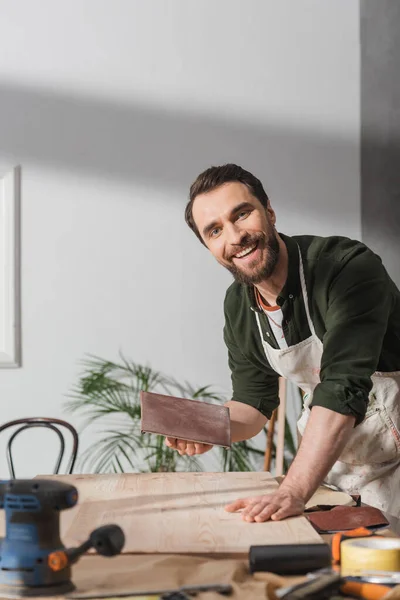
[[271, 287]]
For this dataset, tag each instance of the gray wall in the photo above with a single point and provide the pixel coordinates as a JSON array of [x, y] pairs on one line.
[[380, 130], [112, 109]]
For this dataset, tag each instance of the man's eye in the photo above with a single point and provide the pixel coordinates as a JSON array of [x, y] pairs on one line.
[[215, 232], [243, 214]]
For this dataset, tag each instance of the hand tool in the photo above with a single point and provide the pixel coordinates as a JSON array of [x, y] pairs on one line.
[[378, 577], [324, 585], [322, 582], [319, 588], [33, 560], [289, 559]]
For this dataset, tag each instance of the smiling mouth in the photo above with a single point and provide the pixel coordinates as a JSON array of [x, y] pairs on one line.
[[246, 251]]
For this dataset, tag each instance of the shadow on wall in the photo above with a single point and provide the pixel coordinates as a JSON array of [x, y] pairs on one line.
[[133, 142], [380, 130]]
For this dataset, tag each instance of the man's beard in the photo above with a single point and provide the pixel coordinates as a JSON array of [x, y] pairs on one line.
[[262, 271]]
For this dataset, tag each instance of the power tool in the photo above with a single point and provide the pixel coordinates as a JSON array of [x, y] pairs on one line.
[[33, 560]]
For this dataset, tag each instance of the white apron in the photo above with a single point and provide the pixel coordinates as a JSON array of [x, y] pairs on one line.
[[370, 463]]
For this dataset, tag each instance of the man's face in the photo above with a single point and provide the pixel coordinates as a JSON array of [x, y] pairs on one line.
[[238, 231]]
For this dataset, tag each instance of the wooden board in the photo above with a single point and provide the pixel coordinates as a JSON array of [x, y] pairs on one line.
[[178, 512]]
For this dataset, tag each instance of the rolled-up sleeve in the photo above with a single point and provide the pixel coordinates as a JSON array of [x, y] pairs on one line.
[[360, 302], [253, 385]]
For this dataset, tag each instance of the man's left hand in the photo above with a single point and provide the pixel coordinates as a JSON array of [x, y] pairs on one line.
[[279, 505]]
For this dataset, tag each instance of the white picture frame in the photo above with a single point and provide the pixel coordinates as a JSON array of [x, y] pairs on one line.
[[10, 312]]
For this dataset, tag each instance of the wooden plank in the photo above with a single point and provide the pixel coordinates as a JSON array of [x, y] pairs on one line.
[[178, 512]]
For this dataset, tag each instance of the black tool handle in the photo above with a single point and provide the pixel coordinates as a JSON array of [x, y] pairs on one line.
[[107, 540], [289, 559]]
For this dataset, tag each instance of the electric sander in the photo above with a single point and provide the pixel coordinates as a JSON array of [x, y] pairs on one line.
[[33, 560]]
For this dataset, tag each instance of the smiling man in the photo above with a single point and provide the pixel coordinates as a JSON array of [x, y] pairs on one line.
[[322, 312]]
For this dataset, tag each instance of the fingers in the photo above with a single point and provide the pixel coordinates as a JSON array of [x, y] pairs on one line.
[[185, 447], [201, 448], [238, 504], [282, 513], [181, 446], [287, 511], [267, 513], [192, 448], [251, 507], [171, 442], [262, 508]]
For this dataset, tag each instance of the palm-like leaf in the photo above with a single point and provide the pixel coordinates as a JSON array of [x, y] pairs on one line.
[[110, 391]]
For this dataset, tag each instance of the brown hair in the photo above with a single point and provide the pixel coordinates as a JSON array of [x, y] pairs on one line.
[[214, 177]]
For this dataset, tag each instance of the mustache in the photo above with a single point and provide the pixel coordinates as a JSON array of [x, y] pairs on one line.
[[248, 240]]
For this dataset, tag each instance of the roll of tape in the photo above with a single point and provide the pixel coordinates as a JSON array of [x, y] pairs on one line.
[[369, 554]]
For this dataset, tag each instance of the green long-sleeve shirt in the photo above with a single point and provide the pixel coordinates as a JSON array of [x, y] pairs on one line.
[[355, 308]]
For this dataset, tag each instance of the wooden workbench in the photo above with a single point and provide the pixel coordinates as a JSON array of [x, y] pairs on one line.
[[177, 532]]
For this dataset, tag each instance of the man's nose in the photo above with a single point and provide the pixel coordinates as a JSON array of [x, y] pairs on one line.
[[235, 234]]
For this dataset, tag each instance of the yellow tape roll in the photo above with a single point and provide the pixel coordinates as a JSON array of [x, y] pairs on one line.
[[369, 554]]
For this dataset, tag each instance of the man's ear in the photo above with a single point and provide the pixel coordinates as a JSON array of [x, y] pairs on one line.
[[270, 213]]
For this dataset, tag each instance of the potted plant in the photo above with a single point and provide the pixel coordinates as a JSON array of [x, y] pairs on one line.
[[108, 394]]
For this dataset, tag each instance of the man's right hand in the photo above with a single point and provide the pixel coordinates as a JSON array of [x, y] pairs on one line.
[[185, 447], [246, 422]]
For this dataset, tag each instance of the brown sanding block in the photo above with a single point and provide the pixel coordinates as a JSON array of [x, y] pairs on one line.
[[191, 420], [343, 518]]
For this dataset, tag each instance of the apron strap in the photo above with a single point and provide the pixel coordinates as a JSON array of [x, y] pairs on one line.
[[259, 325], [305, 295]]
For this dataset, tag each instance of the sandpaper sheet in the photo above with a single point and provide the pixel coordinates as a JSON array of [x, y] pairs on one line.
[[185, 419], [344, 518]]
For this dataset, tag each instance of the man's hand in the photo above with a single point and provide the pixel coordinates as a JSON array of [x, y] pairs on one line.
[[279, 505], [246, 422], [185, 447], [324, 438]]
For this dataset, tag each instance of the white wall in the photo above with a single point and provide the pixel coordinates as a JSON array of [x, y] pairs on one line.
[[112, 109]]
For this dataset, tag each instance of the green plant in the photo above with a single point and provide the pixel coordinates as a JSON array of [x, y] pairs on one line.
[[108, 393]]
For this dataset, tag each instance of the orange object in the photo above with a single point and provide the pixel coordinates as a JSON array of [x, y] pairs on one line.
[[367, 591], [270, 441], [339, 537], [57, 561]]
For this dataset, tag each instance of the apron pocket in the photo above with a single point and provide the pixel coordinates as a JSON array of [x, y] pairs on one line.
[[376, 440]]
